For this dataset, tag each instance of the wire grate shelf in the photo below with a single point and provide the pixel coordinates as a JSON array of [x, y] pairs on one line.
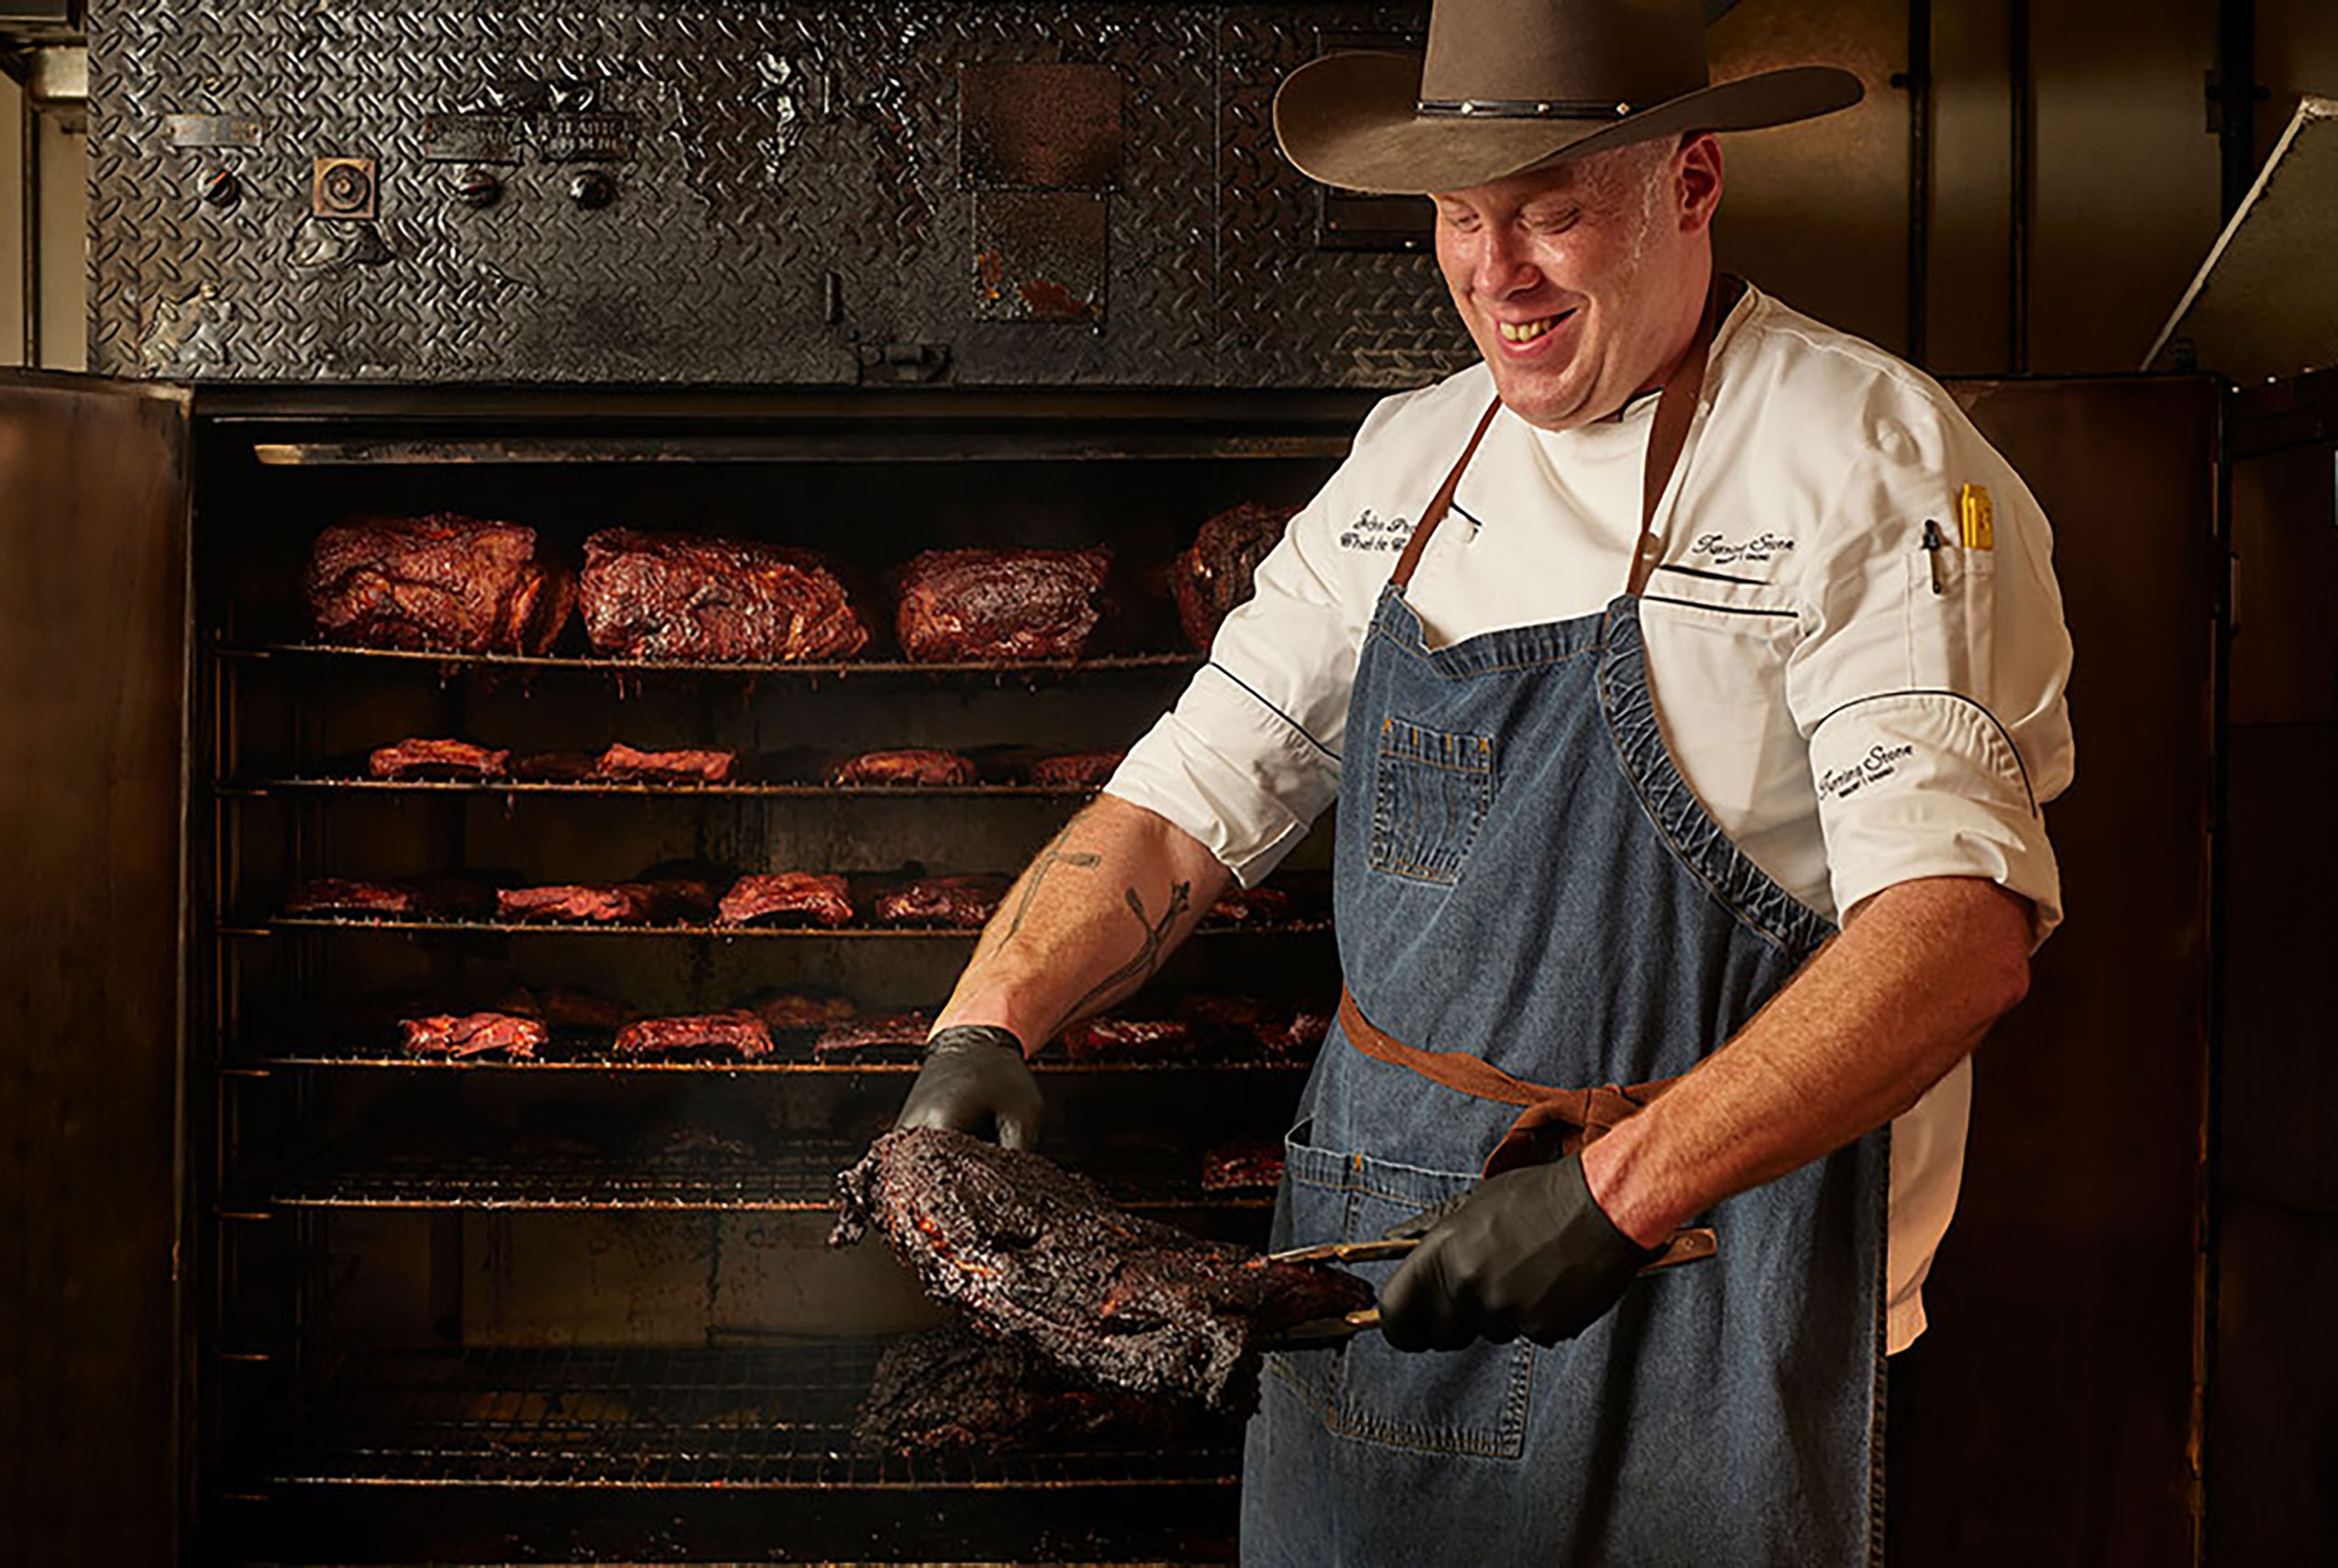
[[767, 1417]]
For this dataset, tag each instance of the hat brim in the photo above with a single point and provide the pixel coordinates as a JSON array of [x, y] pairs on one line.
[[1349, 121]]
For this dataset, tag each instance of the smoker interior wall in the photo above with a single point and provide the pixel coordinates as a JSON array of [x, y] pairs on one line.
[[2049, 1406], [2272, 1447]]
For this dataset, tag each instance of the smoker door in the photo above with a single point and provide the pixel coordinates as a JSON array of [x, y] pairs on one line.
[[93, 617], [2050, 1415]]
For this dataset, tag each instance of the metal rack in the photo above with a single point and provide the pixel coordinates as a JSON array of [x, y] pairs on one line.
[[763, 1417], [998, 671], [556, 1174]]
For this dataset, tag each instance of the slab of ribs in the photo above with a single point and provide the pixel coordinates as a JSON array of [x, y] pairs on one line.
[[626, 765], [977, 605], [663, 900], [954, 1387], [737, 1030], [967, 899], [1075, 771], [1214, 574], [454, 896], [1128, 1039], [801, 1009], [690, 597], [1037, 1255], [422, 758], [444, 582], [788, 898], [910, 767], [881, 1037], [1245, 1165], [473, 1034]]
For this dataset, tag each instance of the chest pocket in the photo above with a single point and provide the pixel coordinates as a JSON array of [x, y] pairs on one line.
[[1430, 792]]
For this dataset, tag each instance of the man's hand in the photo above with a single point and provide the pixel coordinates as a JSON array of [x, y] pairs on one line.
[[1527, 1251], [973, 1079]]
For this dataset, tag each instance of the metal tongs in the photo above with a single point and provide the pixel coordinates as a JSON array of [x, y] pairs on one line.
[[1686, 1246]]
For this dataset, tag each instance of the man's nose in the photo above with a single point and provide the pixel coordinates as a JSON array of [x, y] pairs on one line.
[[1503, 265]]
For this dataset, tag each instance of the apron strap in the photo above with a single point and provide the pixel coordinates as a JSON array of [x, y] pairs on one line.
[[1440, 503], [1555, 1122], [1676, 409]]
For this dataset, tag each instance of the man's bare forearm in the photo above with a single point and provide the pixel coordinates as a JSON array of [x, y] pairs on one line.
[[1884, 1011], [1089, 921]]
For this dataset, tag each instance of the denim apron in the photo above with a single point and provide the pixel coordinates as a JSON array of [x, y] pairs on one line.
[[1523, 875]]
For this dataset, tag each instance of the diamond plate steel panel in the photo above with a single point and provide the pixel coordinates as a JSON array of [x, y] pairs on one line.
[[767, 149]]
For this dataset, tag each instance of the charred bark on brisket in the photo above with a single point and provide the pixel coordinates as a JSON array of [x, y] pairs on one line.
[[686, 596], [1000, 604], [1039, 1254], [788, 898], [441, 582], [916, 766], [954, 1387]]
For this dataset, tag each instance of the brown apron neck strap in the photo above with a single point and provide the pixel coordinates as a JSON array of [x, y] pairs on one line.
[[1676, 409], [1439, 503]]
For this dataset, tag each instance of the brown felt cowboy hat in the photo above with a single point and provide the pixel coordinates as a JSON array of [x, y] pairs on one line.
[[1509, 85]]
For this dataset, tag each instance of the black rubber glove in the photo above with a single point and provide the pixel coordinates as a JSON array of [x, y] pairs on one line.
[[1525, 1253], [973, 1079]]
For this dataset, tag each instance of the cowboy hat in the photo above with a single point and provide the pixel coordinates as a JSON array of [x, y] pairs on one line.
[[1509, 85]]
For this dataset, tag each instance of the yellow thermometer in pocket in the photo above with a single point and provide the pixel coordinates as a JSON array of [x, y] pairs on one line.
[[1974, 530]]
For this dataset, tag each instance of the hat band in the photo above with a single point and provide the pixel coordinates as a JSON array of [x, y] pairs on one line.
[[1525, 109]]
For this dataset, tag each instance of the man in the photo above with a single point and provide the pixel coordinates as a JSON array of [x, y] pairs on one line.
[[1712, 628]]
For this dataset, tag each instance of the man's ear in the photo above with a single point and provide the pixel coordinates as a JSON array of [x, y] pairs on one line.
[[1697, 181]]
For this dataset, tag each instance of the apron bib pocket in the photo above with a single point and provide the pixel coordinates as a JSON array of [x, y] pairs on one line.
[[1430, 790]]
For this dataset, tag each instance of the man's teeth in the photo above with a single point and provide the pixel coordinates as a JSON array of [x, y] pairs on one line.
[[1525, 331]]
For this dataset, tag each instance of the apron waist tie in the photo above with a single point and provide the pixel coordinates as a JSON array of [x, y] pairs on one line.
[[1554, 1122]]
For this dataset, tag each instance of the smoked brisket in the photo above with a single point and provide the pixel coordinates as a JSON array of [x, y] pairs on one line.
[[1039, 1255], [442, 583], [686, 596], [953, 1387], [975, 605], [1214, 575]]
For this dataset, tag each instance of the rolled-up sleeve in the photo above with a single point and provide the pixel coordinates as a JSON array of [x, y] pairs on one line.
[[1250, 756], [1929, 684]]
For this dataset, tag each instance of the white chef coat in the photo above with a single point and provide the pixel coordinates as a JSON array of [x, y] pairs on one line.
[[1853, 708]]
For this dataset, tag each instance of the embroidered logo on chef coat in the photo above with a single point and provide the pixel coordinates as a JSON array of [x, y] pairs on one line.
[[1727, 552], [1880, 763], [1372, 532]]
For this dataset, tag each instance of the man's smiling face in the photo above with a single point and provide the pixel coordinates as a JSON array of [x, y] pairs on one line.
[[1582, 283]]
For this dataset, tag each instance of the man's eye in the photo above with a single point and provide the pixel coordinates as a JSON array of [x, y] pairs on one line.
[[1551, 222], [1464, 221]]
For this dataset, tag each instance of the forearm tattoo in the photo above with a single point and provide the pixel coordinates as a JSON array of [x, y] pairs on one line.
[[1048, 858], [1148, 956]]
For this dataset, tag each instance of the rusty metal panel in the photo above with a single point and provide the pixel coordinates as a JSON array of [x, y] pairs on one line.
[[660, 192], [1044, 126], [1039, 256]]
